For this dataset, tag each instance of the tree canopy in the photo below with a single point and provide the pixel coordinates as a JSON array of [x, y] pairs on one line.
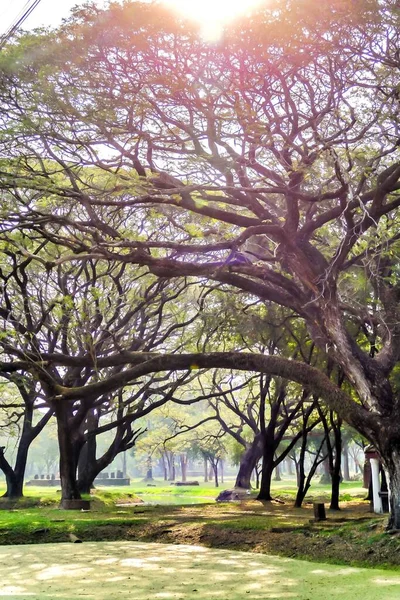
[[266, 163]]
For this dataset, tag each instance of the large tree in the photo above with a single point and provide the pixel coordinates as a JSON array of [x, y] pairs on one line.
[[96, 309], [268, 163]]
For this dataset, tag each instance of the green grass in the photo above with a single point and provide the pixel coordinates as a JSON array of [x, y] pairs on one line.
[[37, 519], [206, 492], [244, 524], [107, 571], [348, 490]]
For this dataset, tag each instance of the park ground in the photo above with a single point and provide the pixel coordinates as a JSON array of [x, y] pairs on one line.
[[116, 570], [353, 536]]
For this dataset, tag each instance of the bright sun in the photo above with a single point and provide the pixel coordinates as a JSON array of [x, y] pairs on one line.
[[212, 15]]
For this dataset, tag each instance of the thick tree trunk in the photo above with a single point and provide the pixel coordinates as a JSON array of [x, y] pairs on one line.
[[15, 476], [68, 455], [15, 487], [334, 505], [87, 472], [12, 490], [392, 463], [248, 463], [267, 470]]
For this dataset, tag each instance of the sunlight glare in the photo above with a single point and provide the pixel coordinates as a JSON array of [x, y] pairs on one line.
[[212, 15]]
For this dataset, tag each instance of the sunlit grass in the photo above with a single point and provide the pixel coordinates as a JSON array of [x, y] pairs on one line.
[[205, 491], [125, 569]]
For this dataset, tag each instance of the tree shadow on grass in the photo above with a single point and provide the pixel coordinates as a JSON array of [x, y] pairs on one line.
[[119, 570]]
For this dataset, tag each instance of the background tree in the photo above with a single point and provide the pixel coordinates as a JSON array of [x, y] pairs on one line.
[[27, 421]]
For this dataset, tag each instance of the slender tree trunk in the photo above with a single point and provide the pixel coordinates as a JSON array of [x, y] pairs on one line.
[[183, 461], [215, 469], [332, 464], [171, 465], [205, 470], [346, 470], [336, 470], [301, 489], [164, 466], [300, 473], [289, 464], [257, 471], [326, 473], [124, 470], [221, 470], [278, 473]]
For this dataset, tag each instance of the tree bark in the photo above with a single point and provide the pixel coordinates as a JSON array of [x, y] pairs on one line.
[[346, 470], [326, 473], [267, 469], [215, 469], [68, 454], [15, 476], [278, 473], [164, 466], [170, 456], [336, 467], [124, 469], [183, 461], [248, 462], [205, 470], [392, 464], [87, 472]]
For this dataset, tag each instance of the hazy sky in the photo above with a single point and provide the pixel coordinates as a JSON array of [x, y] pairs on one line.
[[48, 12]]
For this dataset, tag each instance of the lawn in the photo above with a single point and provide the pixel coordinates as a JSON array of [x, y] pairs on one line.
[[190, 515], [107, 571], [160, 492]]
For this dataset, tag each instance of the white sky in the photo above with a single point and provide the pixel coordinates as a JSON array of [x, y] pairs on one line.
[[48, 12]]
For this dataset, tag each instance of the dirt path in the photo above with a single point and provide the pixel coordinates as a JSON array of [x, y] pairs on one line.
[[121, 570]]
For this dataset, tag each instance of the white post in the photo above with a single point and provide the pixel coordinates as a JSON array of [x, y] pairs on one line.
[[376, 486]]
